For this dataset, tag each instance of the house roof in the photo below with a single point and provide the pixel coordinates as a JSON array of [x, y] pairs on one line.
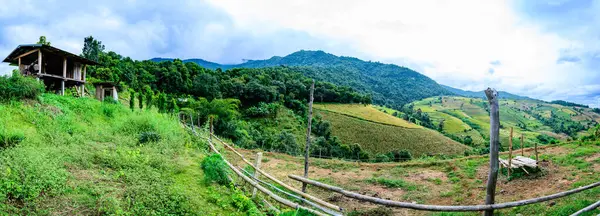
[[23, 48]]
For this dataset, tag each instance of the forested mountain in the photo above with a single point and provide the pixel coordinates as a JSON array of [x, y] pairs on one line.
[[481, 94], [389, 84]]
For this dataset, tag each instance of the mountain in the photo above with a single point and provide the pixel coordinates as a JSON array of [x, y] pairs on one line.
[[481, 94], [389, 84]]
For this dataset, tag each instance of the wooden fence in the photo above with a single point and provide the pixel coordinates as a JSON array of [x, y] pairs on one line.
[[331, 209]]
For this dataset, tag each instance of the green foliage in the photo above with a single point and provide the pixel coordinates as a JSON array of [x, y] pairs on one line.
[[132, 100], [262, 110], [215, 169], [389, 84], [43, 41], [141, 100], [149, 136], [17, 87], [297, 212], [92, 48]]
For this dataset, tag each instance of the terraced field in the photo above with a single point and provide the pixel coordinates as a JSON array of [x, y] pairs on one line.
[[469, 117], [366, 112], [378, 132]]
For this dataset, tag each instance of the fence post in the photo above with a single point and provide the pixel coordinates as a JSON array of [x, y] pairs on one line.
[[256, 173], [307, 147], [492, 96], [510, 152], [536, 153], [522, 146]]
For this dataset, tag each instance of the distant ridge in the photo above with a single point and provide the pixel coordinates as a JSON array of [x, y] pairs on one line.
[[481, 94], [389, 84]]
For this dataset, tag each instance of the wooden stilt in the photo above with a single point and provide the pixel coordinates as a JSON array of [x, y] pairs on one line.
[[256, 173], [536, 152]]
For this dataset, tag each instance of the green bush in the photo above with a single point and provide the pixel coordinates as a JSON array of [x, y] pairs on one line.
[[10, 140], [17, 87], [149, 136], [381, 158], [215, 169]]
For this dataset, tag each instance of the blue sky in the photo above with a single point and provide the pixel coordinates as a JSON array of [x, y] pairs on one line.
[[543, 49]]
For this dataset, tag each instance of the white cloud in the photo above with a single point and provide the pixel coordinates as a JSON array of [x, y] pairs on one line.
[[452, 41]]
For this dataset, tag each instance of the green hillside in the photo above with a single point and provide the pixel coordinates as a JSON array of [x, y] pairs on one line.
[[378, 132], [389, 84], [77, 156], [536, 120]]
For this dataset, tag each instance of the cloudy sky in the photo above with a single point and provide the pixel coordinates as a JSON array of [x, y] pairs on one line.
[[543, 49]]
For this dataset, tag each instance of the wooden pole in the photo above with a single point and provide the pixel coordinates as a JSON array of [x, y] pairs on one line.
[[536, 152], [510, 152], [256, 173], [40, 61], [522, 146], [492, 96], [423, 207], [307, 147]]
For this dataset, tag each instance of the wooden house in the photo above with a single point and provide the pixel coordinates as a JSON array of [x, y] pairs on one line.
[[58, 69], [106, 89]]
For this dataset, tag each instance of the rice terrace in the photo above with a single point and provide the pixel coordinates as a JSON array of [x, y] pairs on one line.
[[426, 108]]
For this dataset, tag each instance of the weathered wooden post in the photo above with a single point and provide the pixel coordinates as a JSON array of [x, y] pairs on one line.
[[510, 152], [522, 146], [256, 173], [307, 147], [492, 96], [536, 153]]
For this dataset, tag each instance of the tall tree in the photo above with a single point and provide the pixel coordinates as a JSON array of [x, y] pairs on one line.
[[43, 41], [91, 48]]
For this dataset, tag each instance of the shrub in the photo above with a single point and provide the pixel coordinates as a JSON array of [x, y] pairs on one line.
[[17, 87], [215, 169], [400, 155], [7, 141], [149, 136], [381, 158]]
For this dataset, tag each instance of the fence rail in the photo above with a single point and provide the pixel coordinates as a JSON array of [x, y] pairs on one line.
[[440, 207]]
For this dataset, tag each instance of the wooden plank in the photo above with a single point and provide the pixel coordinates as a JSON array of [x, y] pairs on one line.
[[41, 67], [27, 53], [492, 96]]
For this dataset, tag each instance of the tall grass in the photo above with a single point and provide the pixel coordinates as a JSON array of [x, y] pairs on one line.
[[81, 156]]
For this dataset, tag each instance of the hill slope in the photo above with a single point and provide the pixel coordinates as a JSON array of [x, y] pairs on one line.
[[481, 94], [78, 156], [536, 120], [390, 84], [378, 132]]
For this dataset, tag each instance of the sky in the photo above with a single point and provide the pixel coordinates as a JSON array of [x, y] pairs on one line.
[[548, 50]]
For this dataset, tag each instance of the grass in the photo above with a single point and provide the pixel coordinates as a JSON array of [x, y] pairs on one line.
[[367, 113], [81, 156], [379, 138]]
